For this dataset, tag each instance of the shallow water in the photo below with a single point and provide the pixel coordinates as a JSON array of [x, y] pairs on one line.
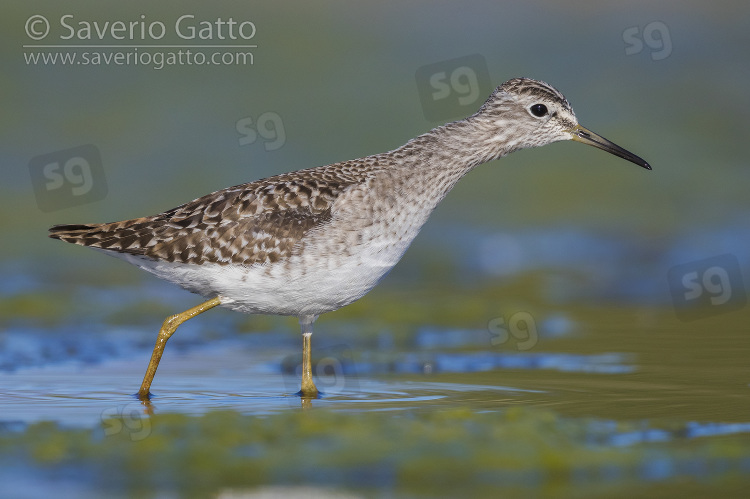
[[629, 363], [670, 395]]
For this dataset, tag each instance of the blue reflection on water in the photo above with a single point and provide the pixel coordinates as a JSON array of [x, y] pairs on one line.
[[588, 264]]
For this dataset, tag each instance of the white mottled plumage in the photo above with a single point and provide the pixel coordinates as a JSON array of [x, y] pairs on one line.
[[312, 241]]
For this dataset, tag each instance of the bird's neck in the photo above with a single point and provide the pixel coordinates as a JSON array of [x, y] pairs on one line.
[[443, 155], [458, 147], [422, 172]]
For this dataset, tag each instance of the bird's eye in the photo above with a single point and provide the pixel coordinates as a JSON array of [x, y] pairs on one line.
[[538, 110]]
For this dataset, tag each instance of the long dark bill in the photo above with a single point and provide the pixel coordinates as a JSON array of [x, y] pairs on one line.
[[586, 136]]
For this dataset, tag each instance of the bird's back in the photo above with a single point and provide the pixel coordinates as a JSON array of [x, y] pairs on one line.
[[255, 223]]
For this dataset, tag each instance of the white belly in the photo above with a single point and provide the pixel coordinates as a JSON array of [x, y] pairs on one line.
[[301, 285]]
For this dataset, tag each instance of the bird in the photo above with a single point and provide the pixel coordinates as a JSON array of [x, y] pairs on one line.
[[312, 241]]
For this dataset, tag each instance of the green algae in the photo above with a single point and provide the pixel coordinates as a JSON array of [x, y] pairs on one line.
[[416, 451], [36, 308]]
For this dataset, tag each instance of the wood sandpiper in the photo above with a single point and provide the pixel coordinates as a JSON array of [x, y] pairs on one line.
[[312, 241]]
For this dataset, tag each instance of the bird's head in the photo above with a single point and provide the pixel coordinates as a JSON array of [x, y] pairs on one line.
[[531, 113]]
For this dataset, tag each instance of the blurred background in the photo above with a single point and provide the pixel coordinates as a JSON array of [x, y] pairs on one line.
[[601, 255], [329, 83]]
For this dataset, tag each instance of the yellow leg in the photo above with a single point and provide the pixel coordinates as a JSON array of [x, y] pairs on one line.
[[167, 330], [309, 390]]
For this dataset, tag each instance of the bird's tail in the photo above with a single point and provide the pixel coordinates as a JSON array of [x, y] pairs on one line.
[[82, 234]]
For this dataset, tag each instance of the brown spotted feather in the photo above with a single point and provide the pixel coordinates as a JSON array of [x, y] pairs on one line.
[[255, 223]]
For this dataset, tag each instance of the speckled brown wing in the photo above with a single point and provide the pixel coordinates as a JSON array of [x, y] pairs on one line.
[[254, 223]]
